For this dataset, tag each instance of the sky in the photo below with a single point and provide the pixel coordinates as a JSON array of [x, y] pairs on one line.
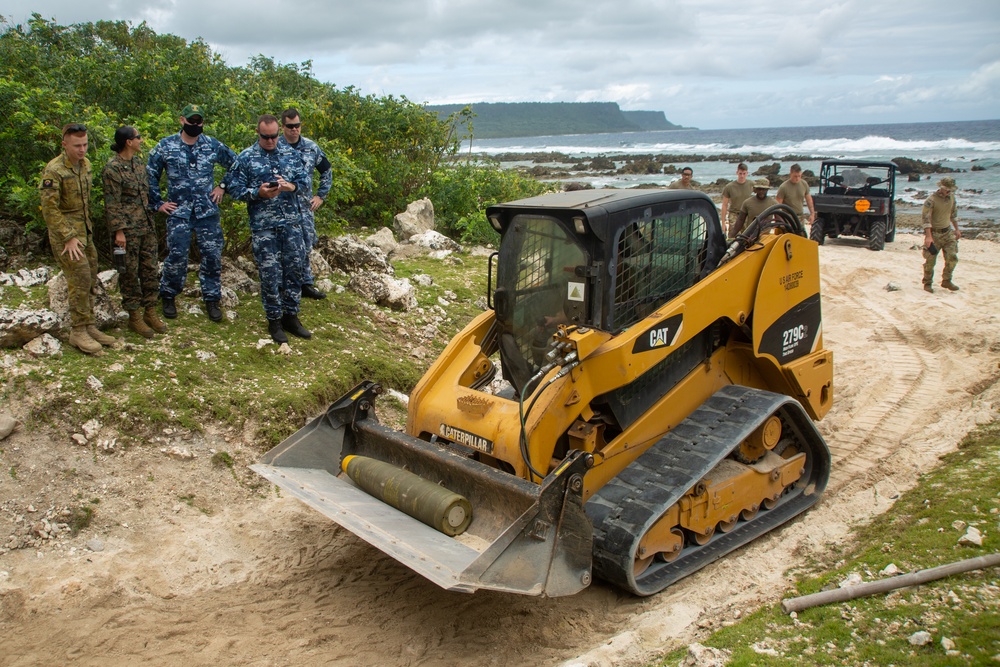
[[705, 63]]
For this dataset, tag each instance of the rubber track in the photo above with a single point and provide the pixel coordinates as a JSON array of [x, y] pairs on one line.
[[625, 508]]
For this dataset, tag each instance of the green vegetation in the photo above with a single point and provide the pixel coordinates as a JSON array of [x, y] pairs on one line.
[[921, 531], [79, 518], [532, 119], [384, 150]]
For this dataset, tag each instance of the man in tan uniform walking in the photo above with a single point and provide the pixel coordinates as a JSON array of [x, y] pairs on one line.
[[941, 233], [65, 196], [794, 191]]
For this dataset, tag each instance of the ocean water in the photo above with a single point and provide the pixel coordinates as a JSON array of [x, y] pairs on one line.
[[958, 145]]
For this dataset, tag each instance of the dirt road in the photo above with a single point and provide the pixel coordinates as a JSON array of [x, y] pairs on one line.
[[196, 566]]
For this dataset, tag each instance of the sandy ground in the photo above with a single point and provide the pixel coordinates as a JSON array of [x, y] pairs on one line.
[[199, 565]]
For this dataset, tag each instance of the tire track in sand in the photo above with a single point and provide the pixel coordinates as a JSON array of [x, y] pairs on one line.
[[877, 429]]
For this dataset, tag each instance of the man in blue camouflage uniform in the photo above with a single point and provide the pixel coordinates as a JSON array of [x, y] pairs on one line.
[[314, 158], [269, 178], [192, 205]]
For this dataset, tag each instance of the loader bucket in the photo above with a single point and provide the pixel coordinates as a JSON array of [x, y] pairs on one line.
[[525, 538]]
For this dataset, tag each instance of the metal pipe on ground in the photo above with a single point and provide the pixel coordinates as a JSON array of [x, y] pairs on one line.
[[874, 587]]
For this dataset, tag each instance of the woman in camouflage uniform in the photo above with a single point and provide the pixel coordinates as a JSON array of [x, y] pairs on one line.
[[126, 198]]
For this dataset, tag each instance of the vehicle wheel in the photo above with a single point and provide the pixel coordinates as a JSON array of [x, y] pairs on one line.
[[876, 236], [890, 235], [816, 231]]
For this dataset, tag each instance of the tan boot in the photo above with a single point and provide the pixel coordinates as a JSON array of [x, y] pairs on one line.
[[99, 336], [136, 324], [81, 340], [154, 321], [947, 284]]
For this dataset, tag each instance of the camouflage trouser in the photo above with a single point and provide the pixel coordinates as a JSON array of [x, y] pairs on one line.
[[947, 245], [209, 234], [140, 284], [731, 219], [309, 234], [81, 281], [279, 253]]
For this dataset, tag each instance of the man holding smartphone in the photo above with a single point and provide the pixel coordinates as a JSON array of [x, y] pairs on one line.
[[268, 177], [315, 159]]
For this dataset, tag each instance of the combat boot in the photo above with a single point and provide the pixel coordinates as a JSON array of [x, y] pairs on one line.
[[138, 325], [947, 284], [99, 336], [214, 312], [153, 320], [81, 340], [277, 333], [312, 292], [169, 307], [291, 324], [928, 288]]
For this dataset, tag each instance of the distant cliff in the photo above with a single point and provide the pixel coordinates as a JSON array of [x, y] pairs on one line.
[[533, 119]]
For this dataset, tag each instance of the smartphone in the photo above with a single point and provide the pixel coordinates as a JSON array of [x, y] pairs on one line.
[[272, 184], [932, 249]]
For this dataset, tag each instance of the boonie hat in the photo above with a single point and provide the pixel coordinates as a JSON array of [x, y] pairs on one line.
[[193, 110], [762, 183], [947, 182]]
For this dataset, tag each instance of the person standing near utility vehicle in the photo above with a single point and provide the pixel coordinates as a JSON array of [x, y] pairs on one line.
[[753, 207], [794, 191], [940, 219], [192, 206], [65, 197], [130, 221]]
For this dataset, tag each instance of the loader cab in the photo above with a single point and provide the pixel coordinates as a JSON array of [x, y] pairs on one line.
[[594, 258]]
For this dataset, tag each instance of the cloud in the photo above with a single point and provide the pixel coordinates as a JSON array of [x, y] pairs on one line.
[[707, 62]]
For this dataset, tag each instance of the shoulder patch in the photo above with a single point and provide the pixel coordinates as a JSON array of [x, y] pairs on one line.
[[48, 183]]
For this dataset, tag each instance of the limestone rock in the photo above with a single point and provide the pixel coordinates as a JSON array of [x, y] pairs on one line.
[[383, 240], [44, 346], [972, 538], [7, 424], [318, 264], [433, 240], [920, 638], [350, 255], [26, 278], [417, 218], [384, 290], [705, 656], [20, 325]]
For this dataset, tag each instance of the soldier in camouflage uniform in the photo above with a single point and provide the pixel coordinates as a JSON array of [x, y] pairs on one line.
[[269, 177], [192, 205], [65, 195], [752, 207], [941, 228], [130, 221], [314, 158]]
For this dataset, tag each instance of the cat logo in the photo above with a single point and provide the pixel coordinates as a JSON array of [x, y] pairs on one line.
[[663, 334], [659, 337]]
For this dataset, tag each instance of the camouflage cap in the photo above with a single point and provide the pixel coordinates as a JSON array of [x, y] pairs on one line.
[[193, 110], [947, 182], [762, 183]]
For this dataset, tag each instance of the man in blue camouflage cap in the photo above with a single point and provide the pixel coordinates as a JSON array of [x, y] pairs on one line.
[[269, 178], [192, 205], [315, 159]]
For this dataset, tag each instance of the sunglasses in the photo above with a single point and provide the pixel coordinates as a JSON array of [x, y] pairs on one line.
[[74, 128], [138, 136], [267, 137], [293, 126]]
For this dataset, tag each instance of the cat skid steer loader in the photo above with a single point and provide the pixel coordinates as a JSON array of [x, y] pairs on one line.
[[658, 411]]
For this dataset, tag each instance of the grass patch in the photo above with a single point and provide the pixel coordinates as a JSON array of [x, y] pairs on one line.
[[79, 518], [204, 372], [921, 531]]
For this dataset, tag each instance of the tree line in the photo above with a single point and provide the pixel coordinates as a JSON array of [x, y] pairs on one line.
[[385, 150]]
